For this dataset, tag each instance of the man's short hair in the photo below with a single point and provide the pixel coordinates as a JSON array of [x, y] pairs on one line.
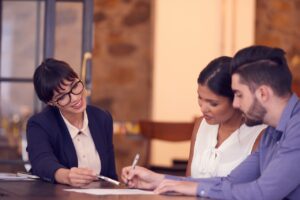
[[262, 65]]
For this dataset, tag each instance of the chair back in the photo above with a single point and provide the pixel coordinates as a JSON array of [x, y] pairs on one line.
[[126, 146], [167, 131]]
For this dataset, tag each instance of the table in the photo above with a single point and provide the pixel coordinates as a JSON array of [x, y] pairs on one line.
[[39, 190]]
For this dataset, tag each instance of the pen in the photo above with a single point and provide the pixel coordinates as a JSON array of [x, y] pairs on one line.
[[135, 161], [27, 175], [109, 180]]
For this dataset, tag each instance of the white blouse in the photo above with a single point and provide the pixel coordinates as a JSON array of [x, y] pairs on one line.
[[87, 154], [209, 161]]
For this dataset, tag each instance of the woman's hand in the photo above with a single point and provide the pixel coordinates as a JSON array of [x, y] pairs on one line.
[[140, 177], [76, 177], [181, 187]]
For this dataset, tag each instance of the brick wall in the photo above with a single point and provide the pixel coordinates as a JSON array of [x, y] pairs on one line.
[[122, 58], [278, 24]]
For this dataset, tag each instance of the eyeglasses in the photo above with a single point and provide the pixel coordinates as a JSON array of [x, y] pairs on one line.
[[65, 99]]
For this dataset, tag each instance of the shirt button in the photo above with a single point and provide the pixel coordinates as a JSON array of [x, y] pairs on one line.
[[202, 193]]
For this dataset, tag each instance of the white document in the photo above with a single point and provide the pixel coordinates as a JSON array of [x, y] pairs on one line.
[[112, 191], [14, 177]]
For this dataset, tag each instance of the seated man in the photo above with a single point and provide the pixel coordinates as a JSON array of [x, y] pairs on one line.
[[261, 81]]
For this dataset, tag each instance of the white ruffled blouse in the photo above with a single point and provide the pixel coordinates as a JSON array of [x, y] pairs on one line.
[[209, 161]]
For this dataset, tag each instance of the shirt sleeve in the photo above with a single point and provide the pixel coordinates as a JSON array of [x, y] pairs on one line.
[[220, 187], [281, 174], [280, 177]]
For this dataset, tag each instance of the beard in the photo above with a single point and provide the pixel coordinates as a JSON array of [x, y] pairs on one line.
[[255, 115]]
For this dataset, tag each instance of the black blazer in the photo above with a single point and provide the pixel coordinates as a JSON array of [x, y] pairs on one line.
[[50, 145]]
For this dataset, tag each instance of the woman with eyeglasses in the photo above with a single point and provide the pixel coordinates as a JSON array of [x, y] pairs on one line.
[[69, 142]]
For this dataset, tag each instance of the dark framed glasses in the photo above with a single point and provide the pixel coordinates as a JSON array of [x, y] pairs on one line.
[[76, 89]]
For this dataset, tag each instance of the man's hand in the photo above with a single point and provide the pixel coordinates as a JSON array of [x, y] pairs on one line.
[[181, 187]]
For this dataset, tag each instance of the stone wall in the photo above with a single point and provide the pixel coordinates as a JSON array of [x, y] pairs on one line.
[[122, 58], [277, 24]]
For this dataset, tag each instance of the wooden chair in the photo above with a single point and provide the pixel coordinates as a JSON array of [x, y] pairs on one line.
[[167, 131], [126, 146]]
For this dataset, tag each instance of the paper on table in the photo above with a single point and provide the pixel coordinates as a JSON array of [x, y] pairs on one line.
[[112, 191], [13, 177]]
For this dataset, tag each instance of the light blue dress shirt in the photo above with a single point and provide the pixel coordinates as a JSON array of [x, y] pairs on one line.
[[272, 172]]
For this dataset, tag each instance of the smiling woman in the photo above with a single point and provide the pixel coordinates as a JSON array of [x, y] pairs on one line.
[[65, 99], [69, 142]]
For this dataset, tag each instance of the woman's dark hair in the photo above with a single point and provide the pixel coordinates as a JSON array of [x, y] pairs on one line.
[[49, 76], [216, 76]]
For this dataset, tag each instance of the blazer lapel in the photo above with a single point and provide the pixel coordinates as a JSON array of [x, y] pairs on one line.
[[98, 138], [67, 143]]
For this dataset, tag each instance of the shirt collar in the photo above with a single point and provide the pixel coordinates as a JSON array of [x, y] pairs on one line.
[[74, 130], [287, 113]]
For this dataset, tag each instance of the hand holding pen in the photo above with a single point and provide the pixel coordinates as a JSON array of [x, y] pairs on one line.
[[140, 177], [107, 179], [134, 163], [76, 176]]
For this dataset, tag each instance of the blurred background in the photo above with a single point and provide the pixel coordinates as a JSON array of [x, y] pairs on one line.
[[140, 60]]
